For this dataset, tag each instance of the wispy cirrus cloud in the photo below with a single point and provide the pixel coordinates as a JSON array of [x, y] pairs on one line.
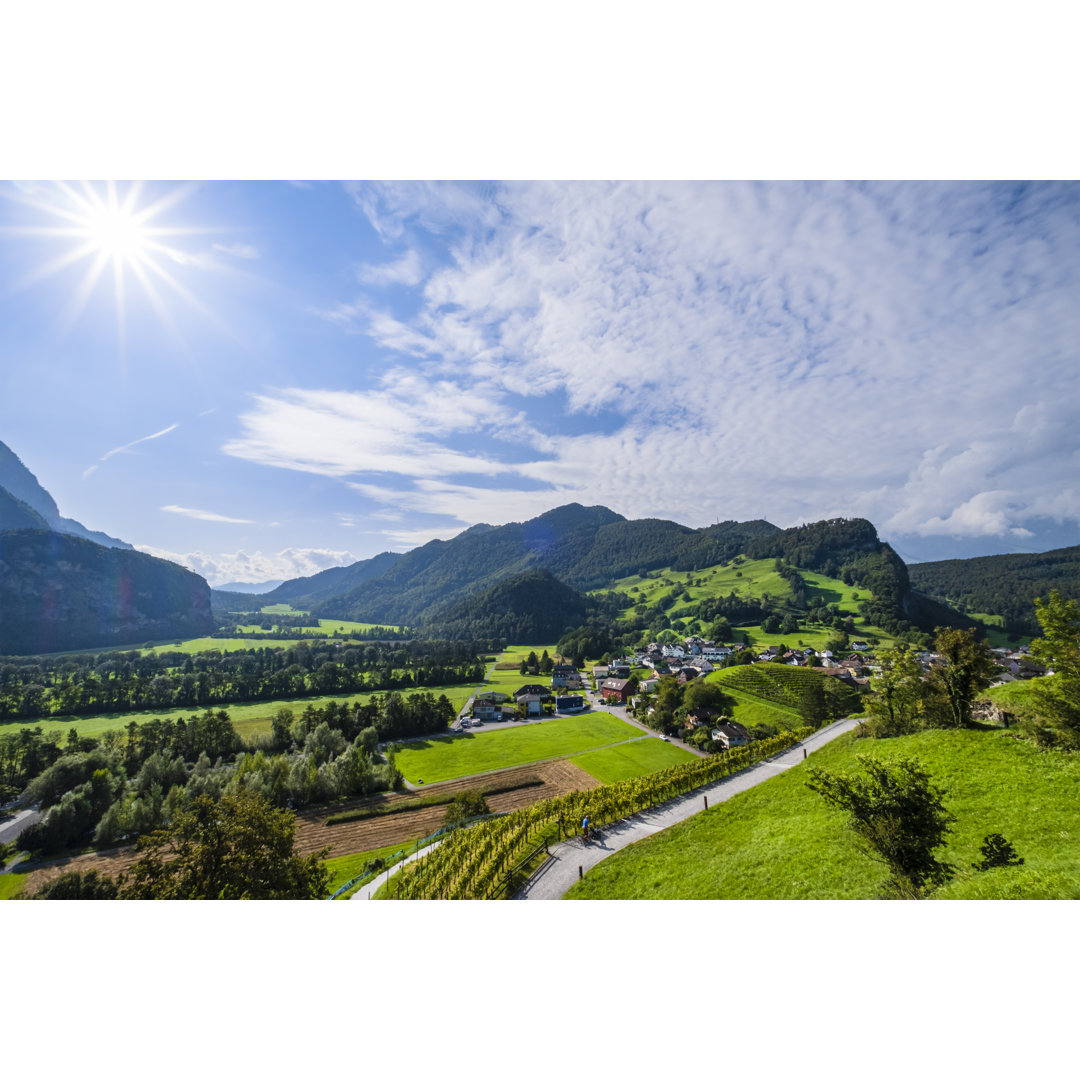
[[407, 270], [206, 515], [238, 251], [127, 446]]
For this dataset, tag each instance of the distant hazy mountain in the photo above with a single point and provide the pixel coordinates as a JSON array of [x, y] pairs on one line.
[[255, 588], [18, 481], [306, 591], [60, 592]]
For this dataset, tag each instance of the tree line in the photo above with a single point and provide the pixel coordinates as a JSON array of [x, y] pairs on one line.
[[125, 682]]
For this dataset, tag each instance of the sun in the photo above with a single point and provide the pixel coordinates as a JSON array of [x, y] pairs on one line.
[[105, 227], [117, 233]]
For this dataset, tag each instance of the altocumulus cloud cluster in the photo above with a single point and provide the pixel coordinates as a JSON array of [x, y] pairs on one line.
[[904, 352]]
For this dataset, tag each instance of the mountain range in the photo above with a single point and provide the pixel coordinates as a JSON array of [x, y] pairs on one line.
[[63, 586]]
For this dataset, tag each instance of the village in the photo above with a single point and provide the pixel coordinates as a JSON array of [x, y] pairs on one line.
[[629, 681]]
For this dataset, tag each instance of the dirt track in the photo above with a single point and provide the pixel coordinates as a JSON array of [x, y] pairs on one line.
[[312, 834]]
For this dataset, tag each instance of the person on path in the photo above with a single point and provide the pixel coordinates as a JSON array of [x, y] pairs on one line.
[[585, 828]]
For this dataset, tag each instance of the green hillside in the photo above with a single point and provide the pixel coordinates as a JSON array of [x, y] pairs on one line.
[[745, 591], [781, 841]]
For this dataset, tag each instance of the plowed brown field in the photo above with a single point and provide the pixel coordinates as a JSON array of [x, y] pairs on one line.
[[312, 834]]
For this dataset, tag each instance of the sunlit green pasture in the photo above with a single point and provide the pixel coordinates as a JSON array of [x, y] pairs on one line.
[[781, 841], [753, 579], [505, 745], [628, 759]]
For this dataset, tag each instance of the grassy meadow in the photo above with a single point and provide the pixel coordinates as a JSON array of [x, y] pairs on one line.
[[781, 841], [628, 759], [449, 757]]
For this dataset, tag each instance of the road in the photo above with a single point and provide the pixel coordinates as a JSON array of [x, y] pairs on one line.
[[573, 857]]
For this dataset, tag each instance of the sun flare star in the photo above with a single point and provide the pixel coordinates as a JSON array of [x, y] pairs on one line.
[[107, 228]]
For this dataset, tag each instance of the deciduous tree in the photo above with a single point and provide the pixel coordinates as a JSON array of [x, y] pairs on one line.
[[236, 848], [1058, 699], [968, 668], [899, 815]]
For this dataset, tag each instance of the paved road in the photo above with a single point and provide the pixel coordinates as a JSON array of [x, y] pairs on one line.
[[561, 871]]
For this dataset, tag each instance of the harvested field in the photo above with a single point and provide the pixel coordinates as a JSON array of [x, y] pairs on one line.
[[111, 862], [311, 834]]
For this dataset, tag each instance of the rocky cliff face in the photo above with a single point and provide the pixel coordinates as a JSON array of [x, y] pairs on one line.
[[60, 592], [18, 481]]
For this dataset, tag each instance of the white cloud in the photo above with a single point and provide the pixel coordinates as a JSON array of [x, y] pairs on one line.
[[238, 251], [206, 515], [338, 433], [256, 566], [725, 350], [405, 271]]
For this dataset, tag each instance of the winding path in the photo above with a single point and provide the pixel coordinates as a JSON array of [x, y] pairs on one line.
[[571, 858]]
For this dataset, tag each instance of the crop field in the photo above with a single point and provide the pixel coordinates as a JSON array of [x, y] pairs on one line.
[[781, 841], [765, 694], [628, 759], [475, 752], [313, 834], [749, 711], [778, 684], [249, 719]]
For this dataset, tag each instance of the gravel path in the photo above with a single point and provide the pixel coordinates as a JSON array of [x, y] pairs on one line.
[[573, 857]]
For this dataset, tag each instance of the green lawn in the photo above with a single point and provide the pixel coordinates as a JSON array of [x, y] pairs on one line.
[[631, 759], [781, 841], [509, 744]]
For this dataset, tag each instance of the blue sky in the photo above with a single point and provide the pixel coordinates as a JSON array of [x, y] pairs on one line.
[[322, 371]]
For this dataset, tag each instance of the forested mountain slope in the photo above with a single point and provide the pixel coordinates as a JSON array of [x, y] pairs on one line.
[[446, 570], [530, 607], [591, 547], [1002, 584], [60, 592]]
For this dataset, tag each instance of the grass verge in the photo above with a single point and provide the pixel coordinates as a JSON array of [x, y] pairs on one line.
[[780, 841]]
